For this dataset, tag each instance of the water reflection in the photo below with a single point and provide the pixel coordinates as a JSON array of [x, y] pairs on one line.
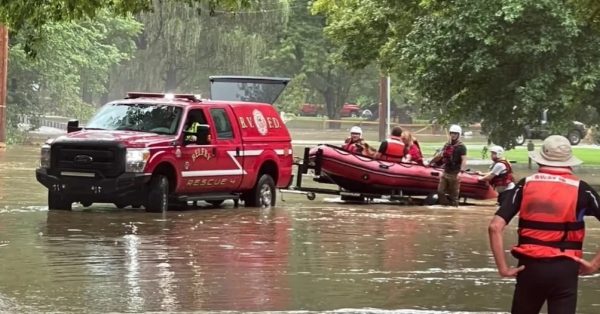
[[313, 256]]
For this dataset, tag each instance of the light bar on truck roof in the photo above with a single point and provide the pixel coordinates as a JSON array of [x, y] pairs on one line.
[[190, 97]]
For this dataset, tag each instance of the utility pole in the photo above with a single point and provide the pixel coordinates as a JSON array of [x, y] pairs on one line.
[[3, 75], [383, 95]]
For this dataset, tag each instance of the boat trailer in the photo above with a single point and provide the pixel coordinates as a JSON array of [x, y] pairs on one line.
[[306, 167]]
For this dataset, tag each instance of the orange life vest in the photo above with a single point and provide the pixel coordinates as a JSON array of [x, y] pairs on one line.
[[503, 179], [394, 150], [548, 223]]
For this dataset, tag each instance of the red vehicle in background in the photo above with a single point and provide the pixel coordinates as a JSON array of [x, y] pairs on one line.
[[313, 110], [350, 110]]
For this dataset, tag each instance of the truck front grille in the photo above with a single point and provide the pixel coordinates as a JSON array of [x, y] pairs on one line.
[[105, 159]]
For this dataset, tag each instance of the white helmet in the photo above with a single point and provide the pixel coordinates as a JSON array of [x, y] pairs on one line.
[[498, 150], [356, 129], [455, 128]]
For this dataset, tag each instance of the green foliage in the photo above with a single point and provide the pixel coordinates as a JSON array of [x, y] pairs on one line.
[[303, 50], [29, 17], [73, 60], [180, 48], [500, 62]]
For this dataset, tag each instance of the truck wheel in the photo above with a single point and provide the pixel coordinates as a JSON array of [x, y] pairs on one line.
[[216, 203], [58, 202], [158, 196], [263, 194], [574, 137]]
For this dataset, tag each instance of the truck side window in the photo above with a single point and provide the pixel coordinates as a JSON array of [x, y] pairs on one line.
[[222, 123]]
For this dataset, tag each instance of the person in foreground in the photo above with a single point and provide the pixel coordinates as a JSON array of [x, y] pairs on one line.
[[551, 205]]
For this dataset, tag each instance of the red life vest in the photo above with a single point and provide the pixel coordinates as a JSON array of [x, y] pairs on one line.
[[394, 150], [503, 179], [548, 225], [415, 153], [353, 147], [448, 154]]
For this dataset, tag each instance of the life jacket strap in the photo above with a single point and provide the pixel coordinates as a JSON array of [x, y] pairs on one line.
[[551, 226], [563, 245]]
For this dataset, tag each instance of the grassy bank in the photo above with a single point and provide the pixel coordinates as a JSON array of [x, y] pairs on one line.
[[589, 156]]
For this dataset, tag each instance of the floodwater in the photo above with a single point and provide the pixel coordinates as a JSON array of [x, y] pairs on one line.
[[302, 255]]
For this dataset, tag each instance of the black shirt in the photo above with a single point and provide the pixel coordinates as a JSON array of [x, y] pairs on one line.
[[383, 147], [453, 165], [587, 202]]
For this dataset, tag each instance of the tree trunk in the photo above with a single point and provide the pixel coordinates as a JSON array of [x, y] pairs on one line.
[[171, 78]]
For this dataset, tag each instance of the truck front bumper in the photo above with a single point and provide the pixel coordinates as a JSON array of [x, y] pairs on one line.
[[129, 188]]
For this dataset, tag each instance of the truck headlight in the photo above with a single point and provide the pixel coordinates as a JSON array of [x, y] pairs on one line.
[[136, 159], [45, 156]]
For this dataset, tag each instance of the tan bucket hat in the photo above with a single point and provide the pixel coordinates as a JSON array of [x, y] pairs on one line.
[[555, 152]]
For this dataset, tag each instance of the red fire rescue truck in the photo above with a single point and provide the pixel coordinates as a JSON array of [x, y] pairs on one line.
[[162, 150]]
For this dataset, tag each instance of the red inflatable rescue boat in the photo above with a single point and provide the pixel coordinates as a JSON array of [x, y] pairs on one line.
[[361, 174]]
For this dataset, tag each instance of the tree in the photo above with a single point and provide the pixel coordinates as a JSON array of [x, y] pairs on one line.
[[180, 48], [304, 52], [500, 62], [30, 17], [73, 60]]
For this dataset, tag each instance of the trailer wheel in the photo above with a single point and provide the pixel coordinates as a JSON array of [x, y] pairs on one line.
[[311, 196]]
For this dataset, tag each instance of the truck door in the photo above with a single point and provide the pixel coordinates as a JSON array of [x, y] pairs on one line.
[[228, 149], [199, 168]]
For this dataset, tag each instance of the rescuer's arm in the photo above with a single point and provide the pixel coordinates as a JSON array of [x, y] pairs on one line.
[[495, 231], [592, 207]]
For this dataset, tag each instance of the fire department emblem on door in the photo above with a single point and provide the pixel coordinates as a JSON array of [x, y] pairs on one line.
[[260, 122]]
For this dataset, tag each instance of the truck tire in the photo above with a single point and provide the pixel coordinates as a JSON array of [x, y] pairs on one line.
[[58, 202], [574, 137], [263, 193], [158, 194]]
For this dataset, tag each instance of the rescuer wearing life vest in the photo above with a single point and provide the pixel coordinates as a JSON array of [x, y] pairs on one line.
[[453, 157], [500, 175], [392, 149], [551, 205], [355, 143]]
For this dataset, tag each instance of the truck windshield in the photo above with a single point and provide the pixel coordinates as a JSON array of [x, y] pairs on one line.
[[154, 118]]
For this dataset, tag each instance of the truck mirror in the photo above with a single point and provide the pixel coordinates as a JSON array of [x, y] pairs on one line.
[[200, 137], [73, 126]]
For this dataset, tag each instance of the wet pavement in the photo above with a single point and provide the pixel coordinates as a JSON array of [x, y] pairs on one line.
[[302, 255]]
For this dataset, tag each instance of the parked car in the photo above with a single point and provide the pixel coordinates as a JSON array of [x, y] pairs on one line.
[[575, 131], [347, 110], [162, 150], [312, 110], [350, 110]]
